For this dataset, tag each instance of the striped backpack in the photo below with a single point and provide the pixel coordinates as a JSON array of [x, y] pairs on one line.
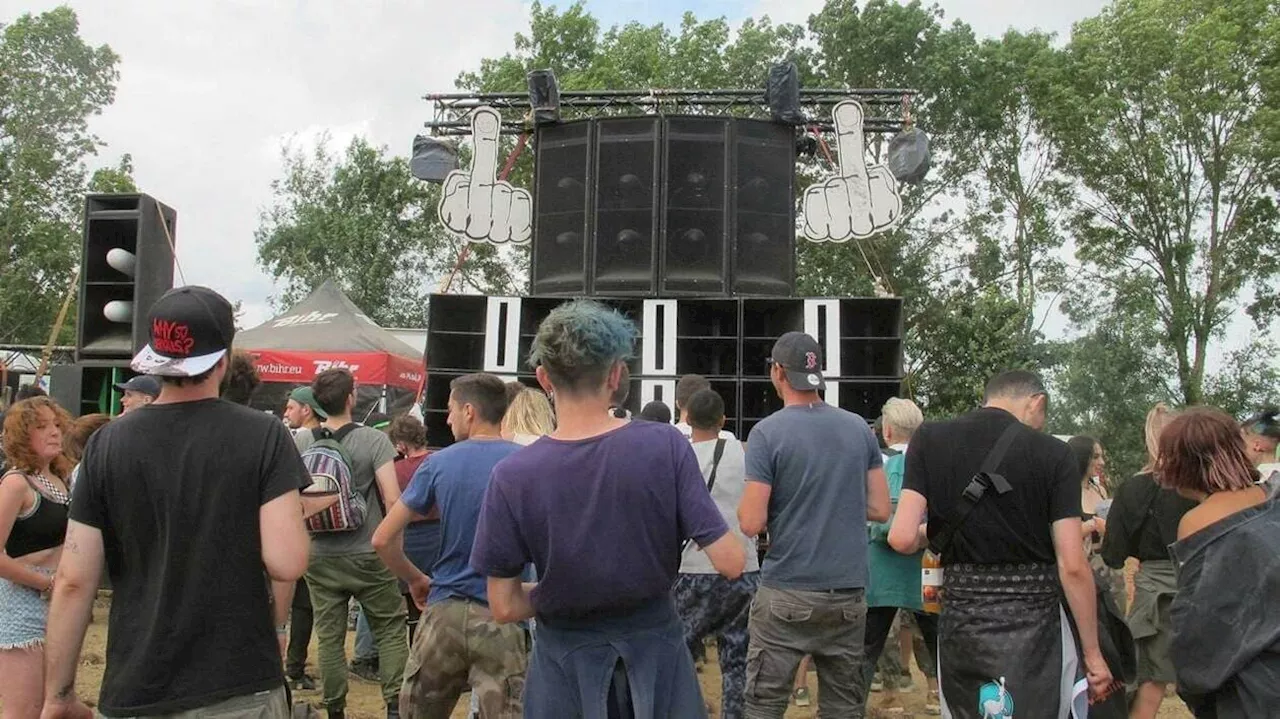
[[330, 468]]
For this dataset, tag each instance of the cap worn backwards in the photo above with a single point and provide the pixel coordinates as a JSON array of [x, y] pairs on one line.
[[191, 329], [304, 395]]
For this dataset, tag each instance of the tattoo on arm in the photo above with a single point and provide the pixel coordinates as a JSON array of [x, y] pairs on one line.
[[68, 691]]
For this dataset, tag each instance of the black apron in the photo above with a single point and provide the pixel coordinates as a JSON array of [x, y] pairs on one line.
[[1004, 644]]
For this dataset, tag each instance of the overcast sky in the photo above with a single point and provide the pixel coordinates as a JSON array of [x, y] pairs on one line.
[[209, 90]]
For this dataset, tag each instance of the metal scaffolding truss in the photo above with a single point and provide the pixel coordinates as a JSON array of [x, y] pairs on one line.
[[885, 110]]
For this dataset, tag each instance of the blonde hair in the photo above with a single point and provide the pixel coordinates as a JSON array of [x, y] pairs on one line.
[[902, 414], [529, 413], [1157, 419]]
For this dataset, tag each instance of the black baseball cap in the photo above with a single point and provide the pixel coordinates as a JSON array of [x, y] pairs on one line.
[[142, 383], [191, 329], [801, 357]]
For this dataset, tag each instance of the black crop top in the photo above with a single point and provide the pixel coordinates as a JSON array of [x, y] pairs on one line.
[[44, 528]]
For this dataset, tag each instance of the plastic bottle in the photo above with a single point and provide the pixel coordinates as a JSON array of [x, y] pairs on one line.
[[931, 582]]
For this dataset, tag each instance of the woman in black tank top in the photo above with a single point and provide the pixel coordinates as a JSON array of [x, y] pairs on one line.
[[33, 521]]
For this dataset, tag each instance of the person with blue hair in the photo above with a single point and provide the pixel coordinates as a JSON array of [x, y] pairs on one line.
[[602, 507]]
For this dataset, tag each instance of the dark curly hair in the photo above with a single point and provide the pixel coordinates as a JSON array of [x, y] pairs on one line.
[[241, 378], [19, 422], [407, 429]]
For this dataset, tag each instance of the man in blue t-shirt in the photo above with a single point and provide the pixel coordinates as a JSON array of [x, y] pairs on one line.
[[458, 643], [814, 476]]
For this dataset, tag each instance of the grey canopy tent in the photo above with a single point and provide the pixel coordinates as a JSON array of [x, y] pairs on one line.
[[327, 330]]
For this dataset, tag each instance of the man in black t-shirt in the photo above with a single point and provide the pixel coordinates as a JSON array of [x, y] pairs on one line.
[[1003, 637], [187, 504]]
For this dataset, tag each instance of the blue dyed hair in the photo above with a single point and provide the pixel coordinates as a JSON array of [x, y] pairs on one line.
[[579, 342]]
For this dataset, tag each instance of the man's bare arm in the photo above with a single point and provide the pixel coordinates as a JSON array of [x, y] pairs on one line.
[[286, 546], [878, 505], [281, 601], [388, 542], [753, 510], [906, 535], [71, 609], [509, 599], [1077, 584], [388, 485], [727, 555]]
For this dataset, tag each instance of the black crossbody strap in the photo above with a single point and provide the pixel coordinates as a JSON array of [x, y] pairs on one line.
[[711, 481], [985, 479], [715, 463]]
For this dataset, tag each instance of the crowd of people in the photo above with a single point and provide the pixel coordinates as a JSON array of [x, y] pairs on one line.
[[564, 559]]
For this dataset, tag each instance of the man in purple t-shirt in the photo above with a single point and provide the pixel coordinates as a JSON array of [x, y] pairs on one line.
[[601, 507]]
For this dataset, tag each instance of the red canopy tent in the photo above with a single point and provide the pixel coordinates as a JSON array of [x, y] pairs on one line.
[[327, 330]]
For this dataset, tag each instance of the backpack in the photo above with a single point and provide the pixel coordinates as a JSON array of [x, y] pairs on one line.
[[330, 468]]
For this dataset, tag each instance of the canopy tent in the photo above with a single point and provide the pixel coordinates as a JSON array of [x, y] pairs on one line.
[[324, 331]]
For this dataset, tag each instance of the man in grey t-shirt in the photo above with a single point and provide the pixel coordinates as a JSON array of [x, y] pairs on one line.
[[343, 564], [814, 477]]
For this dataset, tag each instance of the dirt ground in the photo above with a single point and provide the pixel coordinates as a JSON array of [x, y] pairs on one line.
[[365, 699]]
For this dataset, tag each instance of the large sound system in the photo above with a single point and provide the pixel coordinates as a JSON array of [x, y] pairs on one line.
[[664, 207], [126, 265], [725, 340]]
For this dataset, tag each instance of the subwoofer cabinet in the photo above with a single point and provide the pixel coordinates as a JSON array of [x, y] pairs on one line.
[[727, 340]]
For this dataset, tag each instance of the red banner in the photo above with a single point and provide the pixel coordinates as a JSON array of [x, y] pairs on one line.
[[375, 368]]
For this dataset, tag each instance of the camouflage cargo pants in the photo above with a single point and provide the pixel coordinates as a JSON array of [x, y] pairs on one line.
[[458, 644]]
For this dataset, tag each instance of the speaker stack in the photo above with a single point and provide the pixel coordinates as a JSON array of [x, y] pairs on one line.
[[725, 340], [664, 207], [126, 265], [686, 225]]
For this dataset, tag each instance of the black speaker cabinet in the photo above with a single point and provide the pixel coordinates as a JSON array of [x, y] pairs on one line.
[[563, 178], [726, 340], [127, 264], [664, 207], [88, 387]]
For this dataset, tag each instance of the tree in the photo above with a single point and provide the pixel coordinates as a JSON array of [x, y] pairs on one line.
[[1248, 380], [1165, 114], [364, 221], [1107, 381], [118, 179], [51, 83], [963, 339], [965, 276]]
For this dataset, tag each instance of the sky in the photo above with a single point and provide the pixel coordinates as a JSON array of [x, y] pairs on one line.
[[209, 91]]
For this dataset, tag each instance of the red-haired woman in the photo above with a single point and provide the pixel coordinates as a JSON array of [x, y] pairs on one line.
[[33, 522], [1226, 631]]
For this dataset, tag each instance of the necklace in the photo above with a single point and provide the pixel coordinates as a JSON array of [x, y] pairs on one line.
[[53, 491]]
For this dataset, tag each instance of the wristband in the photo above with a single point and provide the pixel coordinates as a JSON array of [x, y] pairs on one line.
[[282, 629]]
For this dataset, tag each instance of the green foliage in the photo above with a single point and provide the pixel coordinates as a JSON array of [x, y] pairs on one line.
[[962, 340], [51, 83], [1107, 381], [1164, 112], [118, 179], [364, 221], [1248, 380]]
